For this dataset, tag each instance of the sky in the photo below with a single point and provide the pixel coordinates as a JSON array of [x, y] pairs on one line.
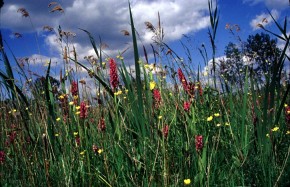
[[106, 19]]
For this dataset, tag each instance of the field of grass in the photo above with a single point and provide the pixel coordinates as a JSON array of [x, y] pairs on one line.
[[144, 128]]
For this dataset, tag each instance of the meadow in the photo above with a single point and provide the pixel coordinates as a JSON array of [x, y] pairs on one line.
[[163, 124]]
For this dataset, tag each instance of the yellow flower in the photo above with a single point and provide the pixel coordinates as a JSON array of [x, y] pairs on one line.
[[218, 125], [71, 103], [76, 133], [78, 112], [288, 132], [209, 118], [57, 119], [118, 93], [159, 117], [83, 152], [78, 107], [152, 85], [170, 94], [267, 135], [61, 97], [227, 124], [216, 114], [100, 151], [285, 105], [56, 134], [275, 129], [186, 181]]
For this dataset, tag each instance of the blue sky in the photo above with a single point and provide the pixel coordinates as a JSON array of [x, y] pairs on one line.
[[107, 18]]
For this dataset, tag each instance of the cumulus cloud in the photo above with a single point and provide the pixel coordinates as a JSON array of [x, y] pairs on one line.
[[106, 19], [271, 4], [263, 19]]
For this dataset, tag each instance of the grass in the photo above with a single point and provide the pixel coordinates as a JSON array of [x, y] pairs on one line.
[[148, 129]]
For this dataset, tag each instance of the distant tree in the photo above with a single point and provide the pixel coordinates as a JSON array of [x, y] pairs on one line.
[[232, 67], [258, 54], [263, 51]]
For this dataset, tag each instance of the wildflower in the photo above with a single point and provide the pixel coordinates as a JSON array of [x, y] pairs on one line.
[[186, 181], [191, 89], [71, 103], [2, 157], [78, 112], [118, 93], [152, 85], [114, 80], [287, 115], [275, 129], [287, 132], [218, 125], [102, 125], [78, 140], [186, 106], [227, 124], [216, 114], [76, 133], [83, 152], [159, 117], [74, 88], [268, 135], [83, 110], [165, 131], [198, 143], [156, 98], [57, 119], [78, 107], [182, 79], [97, 150], [199, 89], [56, 135], [100, 151], [209, 118]]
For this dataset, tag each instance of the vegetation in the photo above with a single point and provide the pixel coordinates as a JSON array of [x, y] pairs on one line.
[[162, 125]]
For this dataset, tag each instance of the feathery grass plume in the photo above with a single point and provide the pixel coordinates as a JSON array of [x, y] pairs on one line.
[[47, 28], [57, 8], [24, 12], [17, 35], [125, 32], [52, 3]]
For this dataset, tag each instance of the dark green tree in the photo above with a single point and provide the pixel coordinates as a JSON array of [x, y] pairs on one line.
[[258, 54], [264, 53]]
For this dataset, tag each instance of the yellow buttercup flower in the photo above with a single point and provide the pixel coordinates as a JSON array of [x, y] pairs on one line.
[[216, 114], [57, 119], [76, 133], [187, 181], [209, 118], [152, 85], [78, 107], [83, 152], [288, 132], [100, 151], [275, 129]]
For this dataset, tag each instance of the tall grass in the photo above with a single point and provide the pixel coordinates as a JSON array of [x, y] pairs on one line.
[[152, 129]]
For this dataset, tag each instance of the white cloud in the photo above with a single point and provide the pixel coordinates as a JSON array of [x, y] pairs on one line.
[[276, 4], [264, 19], [106, 19]]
